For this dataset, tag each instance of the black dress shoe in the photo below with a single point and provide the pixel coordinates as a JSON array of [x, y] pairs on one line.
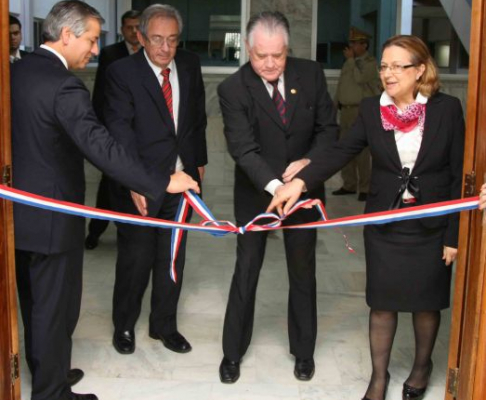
[[342, 192], [304, 369], [74, 376], [91, 242], [229, 371], [362, 196], [411, 393], [386, 387], [174, 341], [77, 396], [124, 342]]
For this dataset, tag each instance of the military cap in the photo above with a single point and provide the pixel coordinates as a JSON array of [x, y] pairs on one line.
[[356, 34]]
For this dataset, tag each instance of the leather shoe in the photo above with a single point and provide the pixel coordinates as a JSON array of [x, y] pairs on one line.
[[174, 341], [342, 191], [362, 196], [304, 369], [91, 242], [229, 371], [74, 376], [411, 393], [77, 396], [124, 342]]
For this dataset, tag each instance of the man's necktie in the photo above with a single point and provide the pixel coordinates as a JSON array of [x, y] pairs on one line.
[[167, 90], [279, 102]]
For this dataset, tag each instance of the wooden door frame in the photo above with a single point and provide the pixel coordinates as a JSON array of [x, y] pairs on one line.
[[9, 345], [467, 348]]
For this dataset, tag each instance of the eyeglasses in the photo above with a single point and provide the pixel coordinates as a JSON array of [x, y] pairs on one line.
[[394, 69], [172, 41]]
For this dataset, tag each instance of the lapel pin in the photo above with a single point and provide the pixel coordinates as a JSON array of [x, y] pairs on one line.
[[293, 91]]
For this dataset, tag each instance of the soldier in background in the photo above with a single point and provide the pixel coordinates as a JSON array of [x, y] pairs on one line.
[[359, 79]]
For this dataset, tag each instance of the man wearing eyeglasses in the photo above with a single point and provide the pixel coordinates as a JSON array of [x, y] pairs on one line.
[[358, 79], [155, 102]]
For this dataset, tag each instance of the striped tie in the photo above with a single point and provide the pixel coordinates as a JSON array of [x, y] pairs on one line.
[[279, 102], [167, 90]]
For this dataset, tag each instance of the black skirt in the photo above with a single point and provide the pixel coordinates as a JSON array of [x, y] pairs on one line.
[[404, 267]]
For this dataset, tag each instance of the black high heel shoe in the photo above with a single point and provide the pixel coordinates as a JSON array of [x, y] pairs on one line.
[[411, 393], [386, 387]]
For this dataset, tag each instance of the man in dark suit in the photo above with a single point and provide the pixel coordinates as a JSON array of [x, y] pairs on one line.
[[275, 110], [156, 104], [15, 36], [53, 128], [130, 45]]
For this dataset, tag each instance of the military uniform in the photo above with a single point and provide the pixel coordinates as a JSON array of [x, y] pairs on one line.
[[359, 79]]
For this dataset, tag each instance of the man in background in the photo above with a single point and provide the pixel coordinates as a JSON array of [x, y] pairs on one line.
[[15, 36], [109, 54], [359, 79]]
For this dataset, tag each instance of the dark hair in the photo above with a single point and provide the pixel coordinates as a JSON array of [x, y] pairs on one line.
[[158, 11], [73, 14], [14, 21], [130, 14], [428, 84], [271, 21]]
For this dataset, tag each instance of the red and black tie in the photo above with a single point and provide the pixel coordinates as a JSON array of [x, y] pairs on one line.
[[279, 102], [167, 90]]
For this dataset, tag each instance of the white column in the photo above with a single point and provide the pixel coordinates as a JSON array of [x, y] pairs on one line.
[[404, 17]]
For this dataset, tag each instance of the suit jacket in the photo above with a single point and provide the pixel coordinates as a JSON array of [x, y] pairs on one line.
[[137, 115], [258, 140], [437, 171], [53, 128], [108, 55]]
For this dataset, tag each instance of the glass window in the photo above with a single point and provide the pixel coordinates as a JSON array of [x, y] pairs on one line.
[[212, 29]]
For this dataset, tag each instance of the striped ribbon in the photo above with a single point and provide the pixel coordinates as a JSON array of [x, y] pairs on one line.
[[211, 225]]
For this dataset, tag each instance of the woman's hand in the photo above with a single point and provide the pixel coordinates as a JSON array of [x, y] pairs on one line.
[[449, 255]]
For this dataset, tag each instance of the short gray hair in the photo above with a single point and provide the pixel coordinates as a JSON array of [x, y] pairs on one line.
[[271, 22], [158, 11], [72, 14]]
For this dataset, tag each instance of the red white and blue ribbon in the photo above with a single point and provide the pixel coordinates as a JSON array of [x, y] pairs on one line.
[[210, 225]]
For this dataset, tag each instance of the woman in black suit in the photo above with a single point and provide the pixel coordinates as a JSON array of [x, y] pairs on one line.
[[416, 138]]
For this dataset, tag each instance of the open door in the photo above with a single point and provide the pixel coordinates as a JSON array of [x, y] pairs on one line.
[[467, 350], [9, 346]]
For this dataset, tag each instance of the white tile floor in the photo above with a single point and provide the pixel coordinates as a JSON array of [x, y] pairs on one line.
[[153, 372]]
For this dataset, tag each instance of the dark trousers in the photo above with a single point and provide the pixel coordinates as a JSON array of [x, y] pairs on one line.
[[301, 267], [142, 250], [96, 227], [49, 289]]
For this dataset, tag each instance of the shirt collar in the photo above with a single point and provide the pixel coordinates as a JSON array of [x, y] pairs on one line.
[[386, 100], [45, 47], [157, 70]]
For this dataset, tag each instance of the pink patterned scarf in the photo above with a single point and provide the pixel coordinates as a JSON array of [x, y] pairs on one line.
[[413, 115]]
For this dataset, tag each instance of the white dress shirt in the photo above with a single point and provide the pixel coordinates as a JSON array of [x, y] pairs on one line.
[[56, 53]]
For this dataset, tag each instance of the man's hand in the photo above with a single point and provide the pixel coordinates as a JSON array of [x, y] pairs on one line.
[[201, 171], [140, 202], [348, 52], [450, 254], [287, 194], [482, 197], [294, 168], [180, 182]]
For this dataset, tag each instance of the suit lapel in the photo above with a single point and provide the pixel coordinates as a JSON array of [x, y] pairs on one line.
[[260, 93], [292, 90], [431, 129], [183, 77], [151, 84]]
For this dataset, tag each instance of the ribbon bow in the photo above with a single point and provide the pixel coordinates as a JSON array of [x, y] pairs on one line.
[[408, 183]]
